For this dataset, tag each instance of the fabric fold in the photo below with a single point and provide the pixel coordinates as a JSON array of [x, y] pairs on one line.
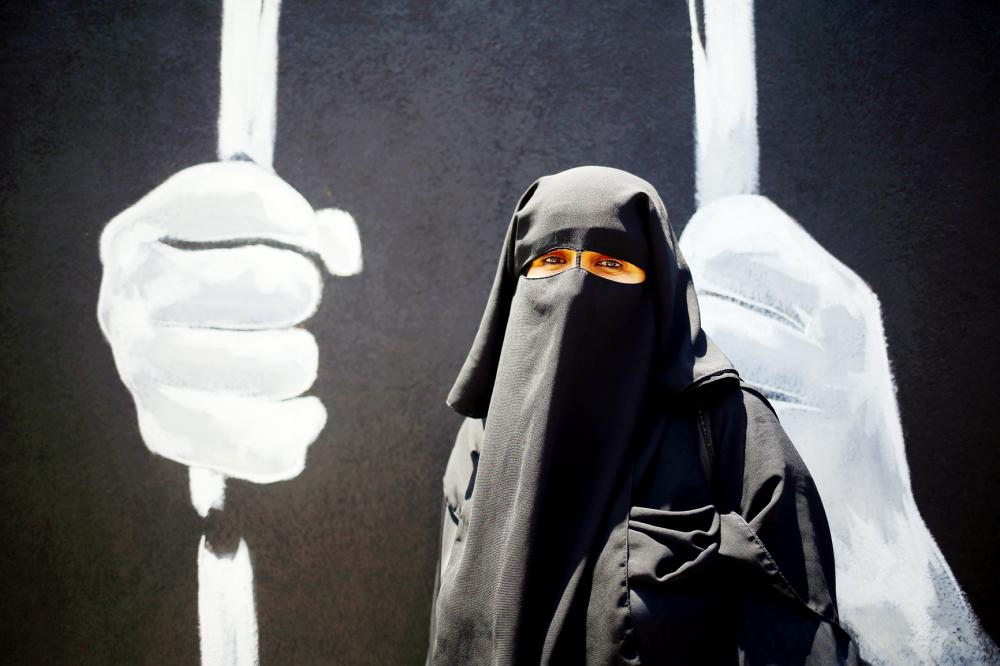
[[667, 545]]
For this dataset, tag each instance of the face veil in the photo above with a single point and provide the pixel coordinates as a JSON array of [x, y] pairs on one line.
[[568, 371]]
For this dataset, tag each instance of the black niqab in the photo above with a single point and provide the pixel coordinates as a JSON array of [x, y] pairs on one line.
[[601, 209], [570, 373]]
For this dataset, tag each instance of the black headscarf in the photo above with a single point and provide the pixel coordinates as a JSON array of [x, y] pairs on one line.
[[569, 372]]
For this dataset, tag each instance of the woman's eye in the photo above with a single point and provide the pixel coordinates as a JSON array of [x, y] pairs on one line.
[[610, 268], [552, 262]]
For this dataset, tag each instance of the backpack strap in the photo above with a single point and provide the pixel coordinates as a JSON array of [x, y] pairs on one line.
[[757, 392], [707, 450]]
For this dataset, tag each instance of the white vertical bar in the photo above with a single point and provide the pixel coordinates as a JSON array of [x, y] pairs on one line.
[[727, 153], [226, 614], [249, 75], [208, 490]]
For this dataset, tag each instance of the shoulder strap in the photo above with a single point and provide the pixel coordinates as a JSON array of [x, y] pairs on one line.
[[757, 392], [707, 450]]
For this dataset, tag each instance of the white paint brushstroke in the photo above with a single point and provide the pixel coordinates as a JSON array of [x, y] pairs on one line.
[[725, 87], [262, 441], [818, 349], [226, 613], [229, 202], [807, 330], [340, 243], [205, 339], [249, 74], [273, 365], [208, 490], [247, 288]]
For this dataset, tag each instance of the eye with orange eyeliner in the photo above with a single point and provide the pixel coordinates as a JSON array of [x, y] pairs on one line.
[[611, 268], [552, 262], [558, 260]]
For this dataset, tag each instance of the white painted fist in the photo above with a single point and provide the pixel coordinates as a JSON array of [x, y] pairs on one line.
[[205, 338], [803, 327]]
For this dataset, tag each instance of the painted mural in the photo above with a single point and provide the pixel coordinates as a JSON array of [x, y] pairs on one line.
[[205, 281], [807, 331], [239, 459]]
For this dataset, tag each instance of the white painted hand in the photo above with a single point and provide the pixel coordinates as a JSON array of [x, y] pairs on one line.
[[206, 339], [806, 329]]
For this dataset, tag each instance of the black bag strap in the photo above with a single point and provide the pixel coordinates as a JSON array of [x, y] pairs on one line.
[[707, 451]]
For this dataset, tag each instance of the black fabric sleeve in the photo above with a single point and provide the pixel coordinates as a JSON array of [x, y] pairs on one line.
[[458, 483], [775, 540]]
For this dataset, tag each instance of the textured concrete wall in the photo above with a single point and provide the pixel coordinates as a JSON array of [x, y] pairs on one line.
[[426, 121]]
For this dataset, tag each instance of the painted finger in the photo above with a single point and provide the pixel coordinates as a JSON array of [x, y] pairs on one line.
[[340, 241], [246, 438], [253, 287], [852, 442], [220, 202], [751, 339], [745, 242], [261, 364]]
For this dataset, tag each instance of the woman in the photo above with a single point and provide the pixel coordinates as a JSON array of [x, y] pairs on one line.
[[617, 495]]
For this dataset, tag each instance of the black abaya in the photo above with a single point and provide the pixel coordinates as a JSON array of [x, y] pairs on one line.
[[617, 496]]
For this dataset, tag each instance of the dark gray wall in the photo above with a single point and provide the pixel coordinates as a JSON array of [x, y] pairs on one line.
[[426, 122]]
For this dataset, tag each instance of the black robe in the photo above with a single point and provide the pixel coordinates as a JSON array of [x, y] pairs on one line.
[[736, 570], [617, 494]]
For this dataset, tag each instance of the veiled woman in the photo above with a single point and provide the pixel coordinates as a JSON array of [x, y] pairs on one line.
[[617, 494]]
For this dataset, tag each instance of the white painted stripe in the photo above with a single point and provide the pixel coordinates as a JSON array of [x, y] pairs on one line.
[[249, 76], [725, 87], [226, 613], [805, 328], [247, 104], [208, 489]]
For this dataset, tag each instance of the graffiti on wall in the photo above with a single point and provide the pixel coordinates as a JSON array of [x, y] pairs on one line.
[[206, 280], [209, 277], [807, 331]]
